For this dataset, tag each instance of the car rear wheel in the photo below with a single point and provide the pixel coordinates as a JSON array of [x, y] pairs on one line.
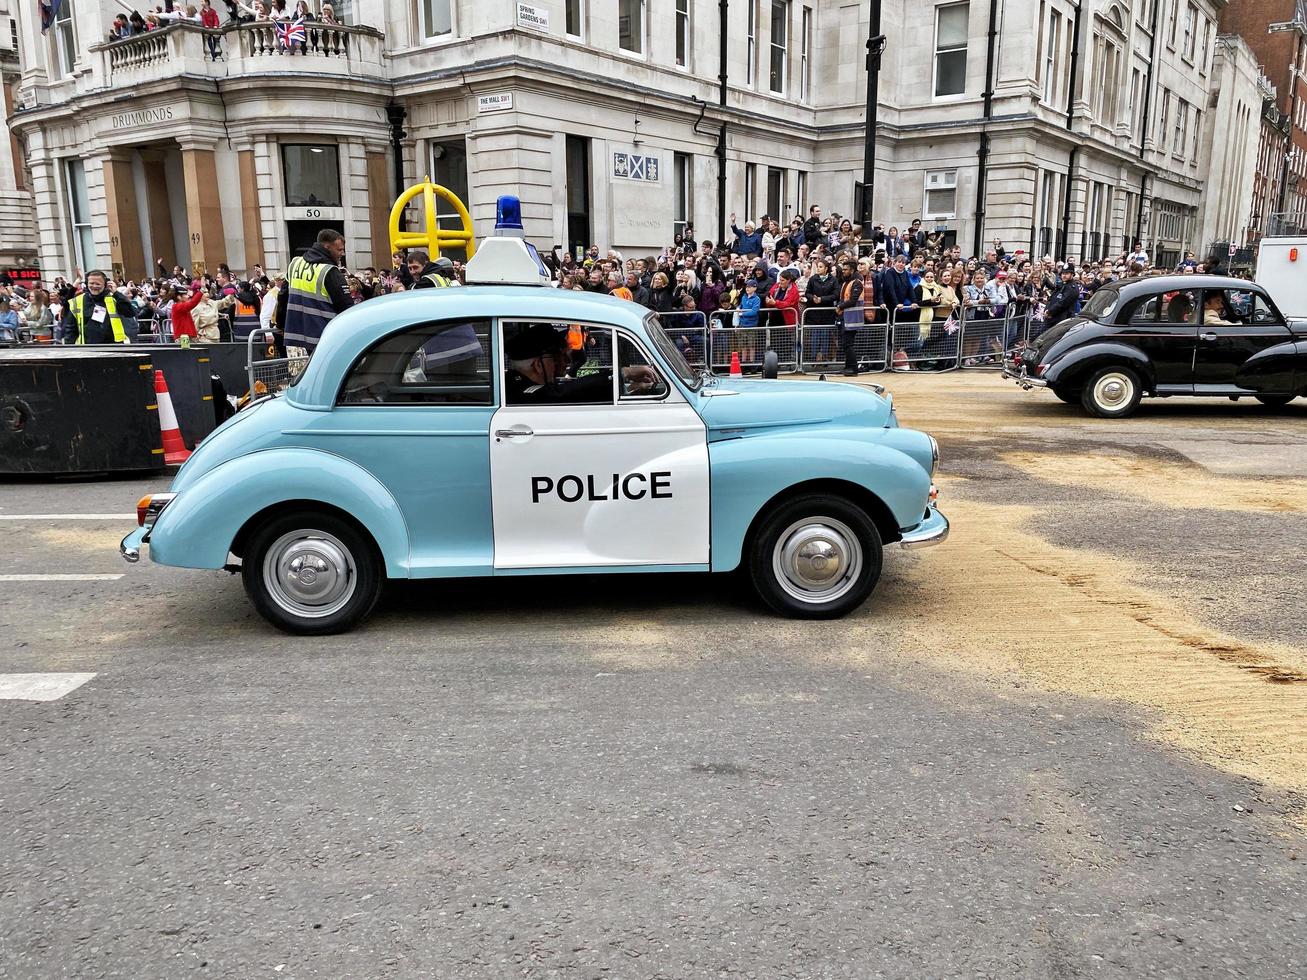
[[816, 557], [1070, 397], [1274, 401], [311, 573], [1111, 393]]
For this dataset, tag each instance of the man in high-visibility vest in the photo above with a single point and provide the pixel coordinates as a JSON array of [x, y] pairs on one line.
[[245, 312], [93, 316], [454, 350], [315, 291]]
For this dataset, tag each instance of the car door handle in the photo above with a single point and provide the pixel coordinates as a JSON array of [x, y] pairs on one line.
[[1207, 336], [516, 432]]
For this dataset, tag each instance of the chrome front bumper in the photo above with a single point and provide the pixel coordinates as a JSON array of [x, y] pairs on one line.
[[933, 530], [1011, 372]]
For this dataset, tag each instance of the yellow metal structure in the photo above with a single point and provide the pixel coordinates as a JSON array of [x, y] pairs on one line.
[[432, 238]]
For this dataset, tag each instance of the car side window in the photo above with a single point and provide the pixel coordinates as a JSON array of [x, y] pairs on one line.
[[1180, 306], [557, 363], [435, 363], [641, 380], [1251, 307]]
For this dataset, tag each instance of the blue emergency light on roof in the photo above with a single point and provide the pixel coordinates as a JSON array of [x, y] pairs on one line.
[[508, 215], [506, 259]]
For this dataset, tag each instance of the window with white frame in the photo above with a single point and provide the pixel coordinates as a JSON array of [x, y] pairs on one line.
[[1198, 129], [941, 195], [1136, 101], [951, 26], [780, 43], [630, 25], [437, 18], [682, 177], [751, 44], [1180, 139], [65, 38], [574, 18], [1190, 31], [79, 214], [801, 192], [1165, 117], [750, 190], [1175, 21], [805, 49], [1052, 46], [683, 33]]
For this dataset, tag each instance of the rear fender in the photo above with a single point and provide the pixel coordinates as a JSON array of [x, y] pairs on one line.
[[198, 528], [1070, 370], [748, 473]]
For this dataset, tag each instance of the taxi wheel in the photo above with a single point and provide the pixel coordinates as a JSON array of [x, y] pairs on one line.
[[1111, 393], [816, 557], [311, 573]]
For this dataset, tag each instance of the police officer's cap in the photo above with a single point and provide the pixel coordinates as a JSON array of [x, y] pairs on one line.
[[535, 341], [444, 264]]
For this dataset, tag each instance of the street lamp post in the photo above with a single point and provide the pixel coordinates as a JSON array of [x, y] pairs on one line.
[[875, 48]]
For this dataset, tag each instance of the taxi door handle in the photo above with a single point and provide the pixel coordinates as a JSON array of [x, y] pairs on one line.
[[516, 432], [1207, 336]]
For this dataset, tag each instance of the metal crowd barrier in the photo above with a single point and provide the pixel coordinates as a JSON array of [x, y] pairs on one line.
[[986, 341], [751, 343], [934, 345], [273, 373], [822, 342]]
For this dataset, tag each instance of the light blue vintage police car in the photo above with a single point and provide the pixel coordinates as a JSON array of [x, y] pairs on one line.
[[509, 428]]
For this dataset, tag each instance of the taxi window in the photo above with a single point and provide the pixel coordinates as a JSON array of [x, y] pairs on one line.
[[441, 363], [557, 363]]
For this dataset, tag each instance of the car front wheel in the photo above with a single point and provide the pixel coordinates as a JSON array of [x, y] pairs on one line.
[[311, 574], [1275, 401], [1111, 393], [816, 557]]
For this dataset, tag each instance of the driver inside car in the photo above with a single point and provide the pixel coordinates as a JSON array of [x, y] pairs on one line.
[[537, 372]]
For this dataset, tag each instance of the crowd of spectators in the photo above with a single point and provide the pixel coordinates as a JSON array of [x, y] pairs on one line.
[[821, 271], [290, 19]]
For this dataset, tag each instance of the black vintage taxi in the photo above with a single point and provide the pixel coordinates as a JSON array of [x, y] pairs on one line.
[[1168, 335]]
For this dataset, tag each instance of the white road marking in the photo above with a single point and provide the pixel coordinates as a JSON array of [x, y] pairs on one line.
[[39, 687], [60, 578], [67, 517]]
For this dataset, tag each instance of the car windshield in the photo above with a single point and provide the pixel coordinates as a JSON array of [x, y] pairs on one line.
[[671, 354], [1102, 304]]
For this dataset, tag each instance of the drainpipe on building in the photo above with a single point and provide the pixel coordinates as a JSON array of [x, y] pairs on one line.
[[875, 48], [395, 115], [1075, 147], [723, 8], [1143, 135], [982, 154]]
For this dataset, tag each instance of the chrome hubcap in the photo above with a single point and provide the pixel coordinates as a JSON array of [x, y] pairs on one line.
[[1113, 390], [309, 573], [817, 559]]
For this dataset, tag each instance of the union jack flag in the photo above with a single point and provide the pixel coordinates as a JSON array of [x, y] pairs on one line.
[[292, 32]]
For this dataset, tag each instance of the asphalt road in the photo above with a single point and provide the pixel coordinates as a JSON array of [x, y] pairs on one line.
[[991, 770]]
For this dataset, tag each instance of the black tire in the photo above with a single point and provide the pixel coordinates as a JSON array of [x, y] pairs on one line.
[[830, 526], [1274, 401], [771, 364], [1112, 392], [1070, 397], [345, 568]]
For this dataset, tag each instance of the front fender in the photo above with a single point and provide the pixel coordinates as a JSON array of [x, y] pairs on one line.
[[198, 528], [748, 472], [1070, 369]]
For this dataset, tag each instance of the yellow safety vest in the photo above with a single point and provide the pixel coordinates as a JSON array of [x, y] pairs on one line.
[[308, 305], [78, 306]]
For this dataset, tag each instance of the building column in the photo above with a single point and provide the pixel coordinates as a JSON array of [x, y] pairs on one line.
[[203, 209], [158, 209], [251, 222], [380, 201], [50, 218], [94, 166], [126, 247]]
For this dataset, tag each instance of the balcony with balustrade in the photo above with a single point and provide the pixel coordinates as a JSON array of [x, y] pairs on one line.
[[240, 50]]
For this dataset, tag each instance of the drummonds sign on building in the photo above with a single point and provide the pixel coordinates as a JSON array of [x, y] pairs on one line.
[[142, 117]]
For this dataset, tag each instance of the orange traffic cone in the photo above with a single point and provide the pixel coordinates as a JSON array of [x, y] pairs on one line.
[[735, 365], [174, 450]]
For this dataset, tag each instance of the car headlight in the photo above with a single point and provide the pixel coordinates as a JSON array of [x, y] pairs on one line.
[[934, 454]]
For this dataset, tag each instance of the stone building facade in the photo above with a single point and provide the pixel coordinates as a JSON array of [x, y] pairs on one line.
[[1066, 129]]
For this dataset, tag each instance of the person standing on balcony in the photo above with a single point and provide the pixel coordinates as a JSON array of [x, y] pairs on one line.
[[209, 19], [329, 16], [315, 291]]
